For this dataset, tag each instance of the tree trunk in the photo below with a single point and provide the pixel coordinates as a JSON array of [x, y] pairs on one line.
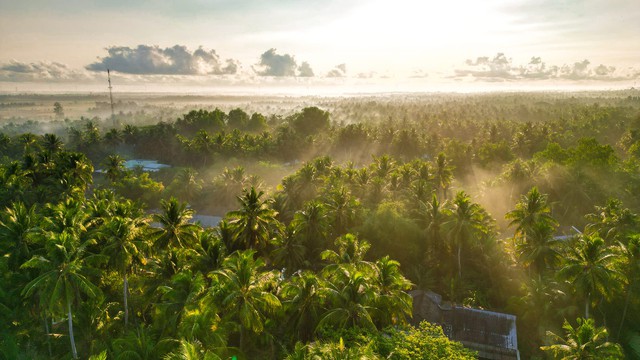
[[459, 261], [125, 290], [74, 352], [586, 306], [46, 328], [624, 311]]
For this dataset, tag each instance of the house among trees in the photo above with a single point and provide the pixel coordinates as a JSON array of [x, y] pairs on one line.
[[492, 334]]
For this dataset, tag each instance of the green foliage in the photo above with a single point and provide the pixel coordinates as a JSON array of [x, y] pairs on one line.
[[585, 341], [311, 120], [427, 341], [309, 265]]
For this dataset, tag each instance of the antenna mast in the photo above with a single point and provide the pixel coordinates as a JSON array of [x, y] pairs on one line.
[[113, 116]]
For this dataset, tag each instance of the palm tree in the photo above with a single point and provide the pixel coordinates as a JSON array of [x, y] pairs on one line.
[[203, 144], [394, 303], [586, 341], [125, 246], [254, 221], [383, 166], [613, 222], [62, 276], [342, 209], [243, 290], [114, 165], [350, 251], [178, 296], [531, 210], [539, 251], [29, 142], [466, 220], [311, 225], [192, 350], [630, 268], [289, 252], [443, 174], [302, 296], [351, 299], [208, 253], [76, 171], [176, 231], [18, 225], [540, 303], [589, 265], [187, 184], [67, 216], [52, 143], [432, 218], [304, 186], [141, 344]]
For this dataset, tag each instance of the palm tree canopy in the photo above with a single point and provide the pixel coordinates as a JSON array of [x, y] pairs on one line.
[[585, 341]]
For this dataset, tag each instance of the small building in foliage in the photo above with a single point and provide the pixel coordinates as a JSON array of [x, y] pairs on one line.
[[492, 334]]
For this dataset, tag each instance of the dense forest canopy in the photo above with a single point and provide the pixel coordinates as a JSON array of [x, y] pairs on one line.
[[524, 203]]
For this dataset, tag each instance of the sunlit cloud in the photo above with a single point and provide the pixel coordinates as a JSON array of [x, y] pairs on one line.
[[176, 60], [15, 71], [338, 71], [274, 64], [502, 68], [305, 70]]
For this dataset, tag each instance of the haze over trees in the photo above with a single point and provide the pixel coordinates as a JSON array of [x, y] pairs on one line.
[[519, 203]]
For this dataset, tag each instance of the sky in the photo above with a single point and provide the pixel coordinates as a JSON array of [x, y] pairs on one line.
[[311, 44]]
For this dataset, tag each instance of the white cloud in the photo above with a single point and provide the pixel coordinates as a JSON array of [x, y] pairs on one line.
[[501, 68], [176, 60]]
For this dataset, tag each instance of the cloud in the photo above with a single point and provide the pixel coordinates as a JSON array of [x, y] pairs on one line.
[[154, 60], [305, 70], [419, 74], [501, 68], [272, 64], [338, 71], [39, 71], [366, 75], [498, 67]]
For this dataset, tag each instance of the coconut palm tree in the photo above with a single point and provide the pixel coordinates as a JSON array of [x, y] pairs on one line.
[[431, 217], [141, 343], [62, 277], [630, 268], [186, 185], [392, 299], [342, 210], [302, 300], [311, 225], [242, 288], [52, 143], [18, 226], [125, 247], [589, 265], [349, 251], [466, 221], [192, 350], [585, 341], [613, 222], [178, 296], [443, 174], [539, 250], [350, 299], [76, 172], [114, 165], [175, 231], [254, 222], [289, 252], [531, 210]]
